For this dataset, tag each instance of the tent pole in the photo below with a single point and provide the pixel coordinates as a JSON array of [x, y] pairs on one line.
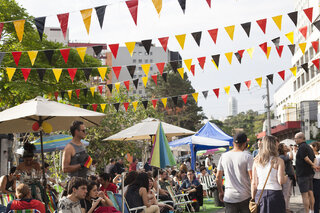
[[158, 187], [43, 172], [122, 192]]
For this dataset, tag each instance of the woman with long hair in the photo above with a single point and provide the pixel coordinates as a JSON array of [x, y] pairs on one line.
[[272, 200], [316, 178]]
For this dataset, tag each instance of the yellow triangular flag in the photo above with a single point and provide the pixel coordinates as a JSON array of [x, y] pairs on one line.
[[145, 80], [214, 63], [181, 72], [69, 93], [303, 47], [57, 73], [227, 89], [32, 56], [117, 85], [103, 107], [19, 26], [229, 56], [82, 52], [294, 71], [188, 63], [77, 105], [102, 71], [135, 104], [130, 46], [164, 101], [145, 68], [290, 37], [277, 20], [250, 51], [158, 5], [230, 31], [195, 96], [181, 39], [86, 16], [10, 72], [268, 52], [92, 89], [259, 81]]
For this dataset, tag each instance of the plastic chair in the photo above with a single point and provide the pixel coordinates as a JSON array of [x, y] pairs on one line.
[[25, 211], [126, 206], [180, 199], [6, 198], [113, 200]]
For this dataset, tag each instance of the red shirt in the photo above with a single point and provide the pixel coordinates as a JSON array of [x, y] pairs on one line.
[[26, 204], [133, 167], [110, 187]]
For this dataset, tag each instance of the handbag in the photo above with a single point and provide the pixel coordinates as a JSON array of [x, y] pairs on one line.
[[253, 206]]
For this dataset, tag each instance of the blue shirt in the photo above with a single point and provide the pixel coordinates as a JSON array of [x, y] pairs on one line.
[[186, 183]]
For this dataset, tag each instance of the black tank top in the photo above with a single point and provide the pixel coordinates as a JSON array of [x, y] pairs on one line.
[[133, 197], [9, 183], [79, 157]]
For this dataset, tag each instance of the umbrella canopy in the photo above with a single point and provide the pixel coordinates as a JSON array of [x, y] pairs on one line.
[[52, 143], [161, 155], [20, 118], [147, 128], [288, 142]]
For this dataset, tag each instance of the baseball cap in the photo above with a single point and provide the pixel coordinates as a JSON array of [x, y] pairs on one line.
[[240, 138]]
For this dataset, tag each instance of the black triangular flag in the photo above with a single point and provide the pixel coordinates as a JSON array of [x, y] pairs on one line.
[[2, 54], [135, 82], [85, 92], [292, 48], [317, 24], [41, 73], [247, 27], [276, 41], [49, 54], [97, 49], [216, 59], [205, 94], [238, 56], [175, 100], [145, 104], [164, 76], [87, 72], [85, 106], [182, 5], [116, 106], [174, 65], [110, 86], [270, 77], [100, 13], [40, 22], [197, 37], [131, 69], [237, 86], [305, 67], [147, 45], [294, 17], [62, 94]]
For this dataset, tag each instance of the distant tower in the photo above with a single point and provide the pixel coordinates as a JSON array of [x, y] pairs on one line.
[[233, 106]]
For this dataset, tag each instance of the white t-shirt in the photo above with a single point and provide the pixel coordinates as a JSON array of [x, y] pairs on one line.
[[235, 166], [208, 162], [317, 174]]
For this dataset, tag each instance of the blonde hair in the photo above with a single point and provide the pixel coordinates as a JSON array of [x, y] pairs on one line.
[[267, 150], [22, 191]]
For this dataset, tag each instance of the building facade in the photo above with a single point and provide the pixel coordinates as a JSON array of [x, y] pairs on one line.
[[232, 106]]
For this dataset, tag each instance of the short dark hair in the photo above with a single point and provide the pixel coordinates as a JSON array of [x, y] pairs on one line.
[[111, 160], [191, 170], [202, 168], [173, 173], [240, 138], [12, 170], [105, 176], [93, 177], [76, 182], [75, 126]]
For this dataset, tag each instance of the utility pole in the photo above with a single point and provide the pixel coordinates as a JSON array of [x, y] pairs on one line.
[[268, 109]]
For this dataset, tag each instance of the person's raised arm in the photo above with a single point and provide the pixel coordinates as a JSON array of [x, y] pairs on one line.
[[66, 159]]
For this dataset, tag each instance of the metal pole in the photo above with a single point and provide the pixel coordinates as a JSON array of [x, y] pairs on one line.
[[158, 186], [268, 109], [122, 192]]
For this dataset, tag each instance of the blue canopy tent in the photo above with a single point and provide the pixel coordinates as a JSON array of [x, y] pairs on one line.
[[210, 136]]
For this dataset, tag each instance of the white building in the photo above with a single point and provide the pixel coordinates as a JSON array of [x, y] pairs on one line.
[[232, 106], [55, 34]]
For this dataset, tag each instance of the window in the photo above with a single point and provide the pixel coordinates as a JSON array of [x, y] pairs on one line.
[[134, 76], [307, 56], [302, 79], [150, 53], [146, 53], [140, 53], [140, 84], [311, 52], [140, 76], [146, 61], [140, 61], [298, 80], [140, 68], [312, 71], [151, 68], [134, 61], [134, 53], [140, 92], [307, 77], [134, 92], [151, 60]]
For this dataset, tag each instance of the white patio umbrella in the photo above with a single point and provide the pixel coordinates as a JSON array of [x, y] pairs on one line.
[[288, 142]]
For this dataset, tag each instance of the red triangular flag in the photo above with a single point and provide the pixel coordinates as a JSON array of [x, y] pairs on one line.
[[192, 69], [126, 105], [94, 107], [116, 71], [248, 84], [316, 62], [264, 47], [77, 92], [241, 52], [164, 42], [303, 31], [315, 45], [1, 28], [133, 8], [114, 49], [72, 72], [56, 94], [209, 3], [154, 102], [202, 60], [282, 73], [155, 77], [63, 19], [214, 34], [100, 89], [16, 57], [262, 24], [65, 54], [309, 12], [160, 67], [127, 84], [216, 91], [279, 50], [25, 73], [184, 98]]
